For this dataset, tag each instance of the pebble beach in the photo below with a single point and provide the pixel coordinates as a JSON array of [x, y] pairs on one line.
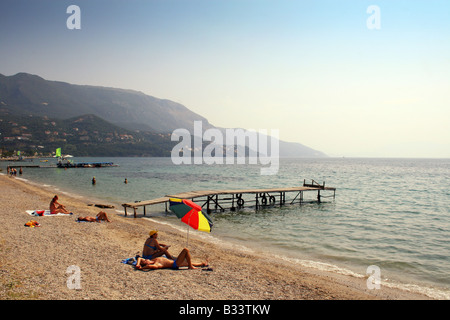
[[36, 263]]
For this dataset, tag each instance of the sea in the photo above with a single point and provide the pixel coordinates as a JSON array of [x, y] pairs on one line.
[[388, 215]]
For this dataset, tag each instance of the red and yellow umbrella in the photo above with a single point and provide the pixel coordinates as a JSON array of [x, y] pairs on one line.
[[191, 214]]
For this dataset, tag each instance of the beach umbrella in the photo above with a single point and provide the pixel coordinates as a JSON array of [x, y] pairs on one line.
[[191, 214]]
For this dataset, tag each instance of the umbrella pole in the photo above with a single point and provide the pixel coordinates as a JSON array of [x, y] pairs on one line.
[[187, 239]]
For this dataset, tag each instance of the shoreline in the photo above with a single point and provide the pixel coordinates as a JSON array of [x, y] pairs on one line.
[[34, 261]]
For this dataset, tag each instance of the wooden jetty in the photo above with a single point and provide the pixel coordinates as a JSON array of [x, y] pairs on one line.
[[222, 200], [67, 165]]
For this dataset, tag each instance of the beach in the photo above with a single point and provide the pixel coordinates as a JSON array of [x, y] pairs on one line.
[[36, 263]]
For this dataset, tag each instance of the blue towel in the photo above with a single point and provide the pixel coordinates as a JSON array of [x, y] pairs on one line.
[[131, 261]]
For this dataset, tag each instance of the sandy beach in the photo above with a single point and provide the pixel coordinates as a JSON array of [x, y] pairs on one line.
[[34, 261]]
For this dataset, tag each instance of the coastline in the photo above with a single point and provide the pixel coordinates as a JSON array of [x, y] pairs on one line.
[[34, 261]]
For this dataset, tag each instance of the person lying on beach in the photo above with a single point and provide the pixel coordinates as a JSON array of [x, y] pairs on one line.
[[56, 207], [101, 216], [183, 260], [154, 249]]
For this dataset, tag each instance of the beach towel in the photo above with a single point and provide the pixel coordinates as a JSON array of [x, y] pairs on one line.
[[45, 213], [81, 221], [131, 261]]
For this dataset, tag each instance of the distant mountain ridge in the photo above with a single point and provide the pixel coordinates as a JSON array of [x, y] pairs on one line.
[[25, 94], [30, 94]]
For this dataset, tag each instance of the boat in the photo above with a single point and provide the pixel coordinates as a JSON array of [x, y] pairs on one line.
[[63, 162]]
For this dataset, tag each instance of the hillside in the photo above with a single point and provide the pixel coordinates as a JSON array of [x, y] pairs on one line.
[[27, 94], [86, 135]]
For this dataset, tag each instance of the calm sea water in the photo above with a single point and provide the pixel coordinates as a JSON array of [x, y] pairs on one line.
[[392, 213]]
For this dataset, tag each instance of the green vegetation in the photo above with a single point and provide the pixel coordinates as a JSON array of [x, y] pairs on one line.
[[86, 135]]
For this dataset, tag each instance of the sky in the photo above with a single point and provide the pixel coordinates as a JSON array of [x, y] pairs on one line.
[[338, 76]]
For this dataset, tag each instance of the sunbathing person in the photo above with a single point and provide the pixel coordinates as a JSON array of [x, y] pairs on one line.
[[56, 207], [183, 260], [154, 249], [101, 216]]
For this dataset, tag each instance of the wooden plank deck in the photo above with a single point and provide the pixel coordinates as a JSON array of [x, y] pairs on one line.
[[146, 202], [215, 193], [196, 194]]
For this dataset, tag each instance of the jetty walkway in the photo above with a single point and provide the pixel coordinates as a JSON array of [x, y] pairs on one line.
[[222, 200]]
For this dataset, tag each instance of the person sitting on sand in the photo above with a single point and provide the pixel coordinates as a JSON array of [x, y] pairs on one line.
[[56, 207], [101, 216], [183, 260], [154, 249]]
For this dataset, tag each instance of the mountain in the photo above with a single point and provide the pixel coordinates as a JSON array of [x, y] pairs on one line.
[[27, 95], [30, 94]]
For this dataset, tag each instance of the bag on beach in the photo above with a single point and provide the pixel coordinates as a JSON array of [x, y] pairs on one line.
[[32, 224]]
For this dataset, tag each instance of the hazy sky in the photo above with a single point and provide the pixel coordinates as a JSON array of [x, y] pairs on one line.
[[312, 69]]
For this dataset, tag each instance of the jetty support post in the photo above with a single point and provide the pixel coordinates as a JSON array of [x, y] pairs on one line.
[[207, 205], [217, 204], [256, 202], [281, 198], [293, 200], [215, 199]]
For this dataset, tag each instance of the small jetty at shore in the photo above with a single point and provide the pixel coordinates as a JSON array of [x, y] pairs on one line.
[[221, 200], [86, 165], [66, 165]]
